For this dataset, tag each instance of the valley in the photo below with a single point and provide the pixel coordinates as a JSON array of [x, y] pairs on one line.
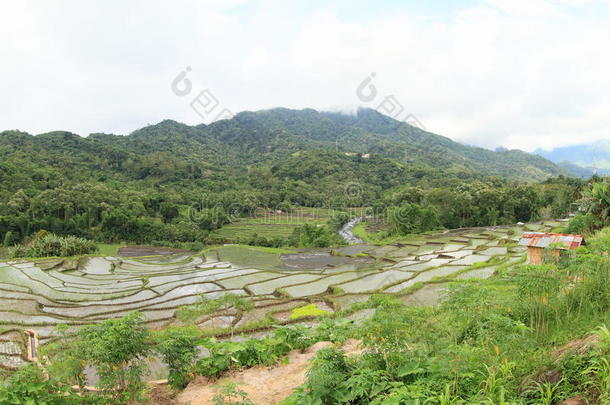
[[167, 263], [304, 202], [40, 294]]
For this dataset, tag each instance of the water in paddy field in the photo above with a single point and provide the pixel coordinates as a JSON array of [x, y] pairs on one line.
[[98, 265], [319, 260], [38, 294]]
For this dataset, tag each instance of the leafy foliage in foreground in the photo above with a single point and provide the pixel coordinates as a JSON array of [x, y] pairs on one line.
[[178, 349], [115, 347], [268, 350], [29, 386], [488, 343]]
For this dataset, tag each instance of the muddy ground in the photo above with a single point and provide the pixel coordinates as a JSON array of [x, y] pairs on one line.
[[264, 385]]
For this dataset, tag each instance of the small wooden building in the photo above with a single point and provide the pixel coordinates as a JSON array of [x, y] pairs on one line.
[[537, 242]]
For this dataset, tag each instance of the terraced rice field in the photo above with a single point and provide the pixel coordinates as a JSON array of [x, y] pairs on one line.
[[269, 224], [41, 294]]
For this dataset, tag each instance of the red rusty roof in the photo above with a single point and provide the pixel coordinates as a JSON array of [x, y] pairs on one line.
[[543, 240]]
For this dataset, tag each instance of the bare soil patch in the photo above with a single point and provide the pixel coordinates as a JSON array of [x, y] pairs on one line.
[[264, 385], [578, 346]]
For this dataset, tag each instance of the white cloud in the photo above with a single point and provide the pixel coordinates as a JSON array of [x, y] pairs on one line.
[[525, 8], [518, 73]]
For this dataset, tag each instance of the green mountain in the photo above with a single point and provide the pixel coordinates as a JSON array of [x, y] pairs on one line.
[[176, 183], [271, 134], [279, 138], [294, 144]]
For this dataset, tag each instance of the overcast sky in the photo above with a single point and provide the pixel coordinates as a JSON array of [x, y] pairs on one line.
[[516, 73]]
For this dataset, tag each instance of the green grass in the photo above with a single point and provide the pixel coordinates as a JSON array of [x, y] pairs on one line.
[[141, 259], [359, 230], [307, 310], [250, 256], [277, 251], [245, 230], [271, 225], [108, 249], [279, 220], [377, 238]]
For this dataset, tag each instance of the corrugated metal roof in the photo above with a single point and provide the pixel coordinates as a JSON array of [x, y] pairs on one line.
[[542, 240]]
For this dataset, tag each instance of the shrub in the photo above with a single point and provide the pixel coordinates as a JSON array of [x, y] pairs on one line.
[[334, 330], [257, 240], [208, 306], [28, 386], [294, 337], [252, 352], [582, 223], [324, 380], [412, 218], [116, 347], [338, 220], [231, 394], [178, 349], [67, 358], [314, 236], [214, 365], [47, 244], [8, 238]]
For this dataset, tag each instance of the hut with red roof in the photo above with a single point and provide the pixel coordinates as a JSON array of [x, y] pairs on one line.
[[537, 242]]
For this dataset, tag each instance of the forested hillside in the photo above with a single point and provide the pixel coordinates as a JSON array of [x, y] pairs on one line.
[[170, 150], [142, 187]]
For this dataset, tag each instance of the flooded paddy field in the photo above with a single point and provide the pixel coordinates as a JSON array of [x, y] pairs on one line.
[[40, 294]]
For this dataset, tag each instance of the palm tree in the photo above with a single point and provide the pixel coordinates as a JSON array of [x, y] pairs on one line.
[[596, 201]]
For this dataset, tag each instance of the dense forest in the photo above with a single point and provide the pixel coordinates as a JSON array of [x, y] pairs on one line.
[[175, 183]]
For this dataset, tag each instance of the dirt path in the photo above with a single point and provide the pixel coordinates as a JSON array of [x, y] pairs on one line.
[[264, 385]]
